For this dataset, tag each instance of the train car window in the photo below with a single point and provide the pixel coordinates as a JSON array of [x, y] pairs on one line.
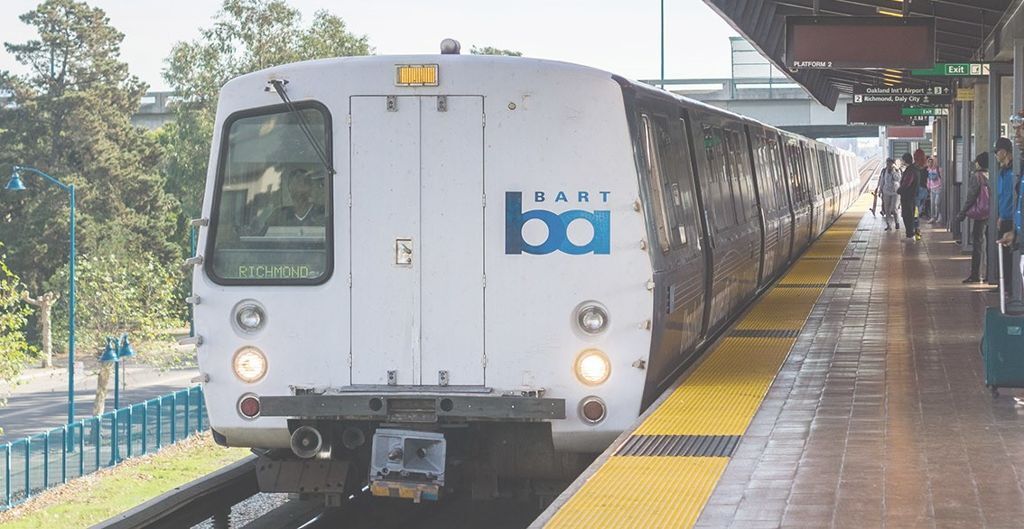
[[764, 171], [659, 191], [775, 159], [741, 178], [720, 171], [271, 217]]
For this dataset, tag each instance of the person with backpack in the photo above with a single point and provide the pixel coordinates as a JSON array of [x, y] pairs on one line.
[[888, 183], [976, 207], [908, 193]]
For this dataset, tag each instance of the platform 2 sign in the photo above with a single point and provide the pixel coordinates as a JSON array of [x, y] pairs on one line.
[[859, 42]]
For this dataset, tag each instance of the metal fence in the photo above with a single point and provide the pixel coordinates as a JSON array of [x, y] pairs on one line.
[[33, 464]]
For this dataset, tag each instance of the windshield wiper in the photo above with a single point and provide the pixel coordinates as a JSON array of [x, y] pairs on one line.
[[278, 85]]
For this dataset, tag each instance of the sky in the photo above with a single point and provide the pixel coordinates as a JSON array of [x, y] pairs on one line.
[[621, 37]]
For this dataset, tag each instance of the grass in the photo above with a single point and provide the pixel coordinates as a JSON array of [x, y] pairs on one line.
[[99, 496]]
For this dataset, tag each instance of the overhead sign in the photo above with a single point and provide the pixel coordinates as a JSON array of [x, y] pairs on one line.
[[925, 111], [902, 95], [954, 69], [965, 94], [825, 42], [902, 132], [874, 115]]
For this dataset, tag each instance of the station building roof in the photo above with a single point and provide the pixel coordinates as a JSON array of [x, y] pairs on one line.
[[965, 30]]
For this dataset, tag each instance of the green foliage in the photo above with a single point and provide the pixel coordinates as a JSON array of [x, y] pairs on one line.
[[70, 117], [247, 35], [14, 349], [491, 50], [120, 292]]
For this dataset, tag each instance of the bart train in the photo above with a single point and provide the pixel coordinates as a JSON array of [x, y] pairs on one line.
[[420, 273]]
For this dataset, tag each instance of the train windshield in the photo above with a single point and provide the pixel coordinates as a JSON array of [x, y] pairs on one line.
[[272, 218]]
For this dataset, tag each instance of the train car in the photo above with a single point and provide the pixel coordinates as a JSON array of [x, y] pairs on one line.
[[432, 272]]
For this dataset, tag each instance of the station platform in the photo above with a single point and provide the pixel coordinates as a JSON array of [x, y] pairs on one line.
[[850, 395]]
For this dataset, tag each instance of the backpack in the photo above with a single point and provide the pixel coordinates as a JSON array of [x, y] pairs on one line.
[[980, 209]]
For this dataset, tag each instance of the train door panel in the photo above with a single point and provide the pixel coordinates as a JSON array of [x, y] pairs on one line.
[[385, 147], [452, 229], [680, 265], [729, 202], [417, 252]]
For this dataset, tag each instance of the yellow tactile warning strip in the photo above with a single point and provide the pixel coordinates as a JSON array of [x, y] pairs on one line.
[[634, 491], [719, 398]]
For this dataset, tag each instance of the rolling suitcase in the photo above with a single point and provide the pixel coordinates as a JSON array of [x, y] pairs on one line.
[[1002, 344]]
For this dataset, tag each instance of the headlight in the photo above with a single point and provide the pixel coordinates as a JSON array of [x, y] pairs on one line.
[[591, 317], [249, 364], [249, 317], [593, 367]]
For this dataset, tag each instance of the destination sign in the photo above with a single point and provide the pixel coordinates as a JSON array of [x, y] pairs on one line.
[[872, 99], [901, 90], [925, 111]]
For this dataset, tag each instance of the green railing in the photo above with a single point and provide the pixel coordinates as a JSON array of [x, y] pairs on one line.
[[36, 463]]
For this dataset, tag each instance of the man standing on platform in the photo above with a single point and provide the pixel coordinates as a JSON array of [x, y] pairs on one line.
[[1006, 193], [908, 193]]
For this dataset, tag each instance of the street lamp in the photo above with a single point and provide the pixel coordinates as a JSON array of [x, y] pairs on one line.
[[115, 352], [15, 184]]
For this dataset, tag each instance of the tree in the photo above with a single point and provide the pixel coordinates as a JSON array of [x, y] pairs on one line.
[[14, 349], [491, 50], [70, 116], [44, 305], [247, 35]]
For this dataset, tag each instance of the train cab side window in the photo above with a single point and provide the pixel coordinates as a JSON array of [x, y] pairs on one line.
[[660, 192], [720, 176], [271, 207]]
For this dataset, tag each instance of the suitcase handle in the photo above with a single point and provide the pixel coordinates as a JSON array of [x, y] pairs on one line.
[[1002, 295]]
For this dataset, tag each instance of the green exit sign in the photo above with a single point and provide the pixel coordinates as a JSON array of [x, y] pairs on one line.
[[955, 69], [925, 111]]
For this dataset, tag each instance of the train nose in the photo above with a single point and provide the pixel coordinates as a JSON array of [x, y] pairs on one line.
[[307, 442]]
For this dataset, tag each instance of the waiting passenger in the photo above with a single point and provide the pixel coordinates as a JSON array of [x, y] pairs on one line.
[[888, 184], [920, 162], [908, 193], [1005, 189], [976, 207], [934, 190]]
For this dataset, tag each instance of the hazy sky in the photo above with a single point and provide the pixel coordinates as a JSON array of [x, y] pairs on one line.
[[622, 37]]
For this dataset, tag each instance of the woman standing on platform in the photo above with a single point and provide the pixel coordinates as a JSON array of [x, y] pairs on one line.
[[908, 193], [888, 183], [934, 189], [976, 206]]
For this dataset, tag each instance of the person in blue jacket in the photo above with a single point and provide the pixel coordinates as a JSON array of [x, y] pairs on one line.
[[1007, 195]]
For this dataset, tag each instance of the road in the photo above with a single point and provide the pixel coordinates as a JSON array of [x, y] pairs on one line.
[[39, 402]]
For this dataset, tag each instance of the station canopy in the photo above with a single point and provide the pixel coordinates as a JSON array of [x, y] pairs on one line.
[[963, 28]]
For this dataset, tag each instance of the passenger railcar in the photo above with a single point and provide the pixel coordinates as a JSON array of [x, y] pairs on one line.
[[426, 272]]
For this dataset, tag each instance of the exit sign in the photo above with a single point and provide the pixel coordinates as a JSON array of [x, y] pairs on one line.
[[925, 111], [955, 69]]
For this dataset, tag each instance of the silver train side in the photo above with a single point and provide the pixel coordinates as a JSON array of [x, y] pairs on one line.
[[765, 195]]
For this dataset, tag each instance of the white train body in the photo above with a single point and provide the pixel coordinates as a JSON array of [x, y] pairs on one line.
[[465, 226]]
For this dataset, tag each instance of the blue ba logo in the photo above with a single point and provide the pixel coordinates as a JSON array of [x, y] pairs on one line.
[[557, 224]]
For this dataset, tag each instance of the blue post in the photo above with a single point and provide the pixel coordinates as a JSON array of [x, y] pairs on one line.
[[159, 422], [188, 404], [7, 474], [129, 425], [71, 314], [81, 448], [46, 460], [97, 424], [28, 474], [113, 438], [67, 443], [199, 408], [174, 416], [145, 425], [117, 384]]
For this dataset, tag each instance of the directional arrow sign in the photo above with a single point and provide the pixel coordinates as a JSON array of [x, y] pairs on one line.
[[925, 111], [955, 69]]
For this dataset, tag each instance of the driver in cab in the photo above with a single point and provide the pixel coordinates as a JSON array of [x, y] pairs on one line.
[[303, 211]]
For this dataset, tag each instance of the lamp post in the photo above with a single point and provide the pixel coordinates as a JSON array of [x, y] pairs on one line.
[[115, 352], [15, 184]]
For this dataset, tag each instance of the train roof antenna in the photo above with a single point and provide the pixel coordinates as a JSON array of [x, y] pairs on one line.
[[278, 85]]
